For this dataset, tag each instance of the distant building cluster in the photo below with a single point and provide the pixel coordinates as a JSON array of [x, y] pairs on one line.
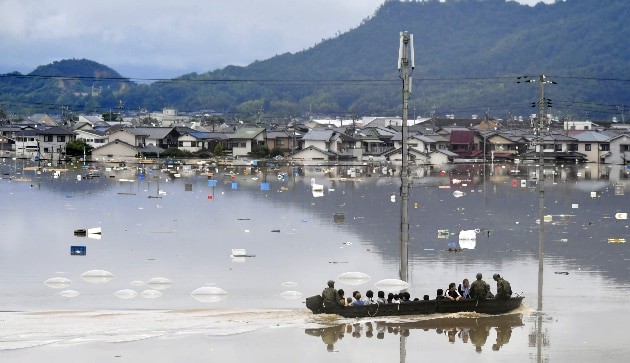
[[431, 141]]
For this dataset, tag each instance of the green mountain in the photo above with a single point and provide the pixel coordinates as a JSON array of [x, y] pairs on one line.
[[468, 54]]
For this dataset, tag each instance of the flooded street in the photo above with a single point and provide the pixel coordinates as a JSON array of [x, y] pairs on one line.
[[159, 283]]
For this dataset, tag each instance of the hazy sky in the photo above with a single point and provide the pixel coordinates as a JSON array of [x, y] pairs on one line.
[[165, 38]]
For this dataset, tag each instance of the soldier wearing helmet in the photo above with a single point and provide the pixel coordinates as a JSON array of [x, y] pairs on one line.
[[330, 295]]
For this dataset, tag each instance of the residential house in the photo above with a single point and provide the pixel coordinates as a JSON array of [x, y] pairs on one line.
[[116, 151], [501, 145], [193, 141], [286, 141], [375, 140], [245, 139], [463, 143], [52, 142], [595, 145], [313, 153], [619, 150], [323, 139], [91, 137]]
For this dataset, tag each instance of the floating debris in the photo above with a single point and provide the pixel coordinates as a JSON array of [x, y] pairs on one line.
[[561, 272], [209, 294], [392, 285], [617, 240], [69, 293], [468, 238], [240, 252], [621, 215], [151, 294], [354, 278], [97, 276], [291, 295], [58, 282], [78, 250], [275, 230], [444, 233], [87, 232], [126, 294], [339, 217], [160, 283], [458, 194]]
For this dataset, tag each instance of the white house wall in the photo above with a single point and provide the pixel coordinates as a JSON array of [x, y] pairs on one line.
[[114, 152]]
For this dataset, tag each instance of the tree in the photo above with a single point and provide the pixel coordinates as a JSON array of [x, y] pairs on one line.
[[78, 147], [218, 150]]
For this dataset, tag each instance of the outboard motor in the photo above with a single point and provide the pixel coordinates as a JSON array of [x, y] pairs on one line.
[[315, 303]]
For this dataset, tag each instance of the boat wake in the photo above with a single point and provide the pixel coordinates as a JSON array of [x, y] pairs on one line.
[[23, 330]]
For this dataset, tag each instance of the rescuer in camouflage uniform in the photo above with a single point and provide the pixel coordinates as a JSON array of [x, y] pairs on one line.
[[504, 290], [479, 289], [330, 296]]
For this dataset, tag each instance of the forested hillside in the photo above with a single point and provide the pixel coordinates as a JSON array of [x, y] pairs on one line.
[[468, 54]]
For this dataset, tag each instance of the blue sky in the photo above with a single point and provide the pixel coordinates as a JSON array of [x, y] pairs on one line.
[[164, 38]]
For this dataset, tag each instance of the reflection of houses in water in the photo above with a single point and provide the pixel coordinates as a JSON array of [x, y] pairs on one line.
[[471, 330]]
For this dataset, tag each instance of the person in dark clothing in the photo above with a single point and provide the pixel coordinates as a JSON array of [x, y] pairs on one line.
[[504, 290], [330, 296], [452, 293], [479, 289], [440, 295]]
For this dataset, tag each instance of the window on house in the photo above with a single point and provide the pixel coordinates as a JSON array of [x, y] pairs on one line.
[[558, 147], [573, 147], [587, 147], [48, 138], [604, 147], [624, 148], [61, 138]]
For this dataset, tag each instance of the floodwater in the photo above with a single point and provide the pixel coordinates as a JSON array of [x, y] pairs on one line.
[[160, 284]]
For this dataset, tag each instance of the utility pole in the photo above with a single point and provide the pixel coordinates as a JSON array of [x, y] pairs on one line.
[[539, 127], [405, 61]]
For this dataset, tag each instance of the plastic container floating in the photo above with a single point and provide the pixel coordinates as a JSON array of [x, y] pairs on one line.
[[209, 294], [354, 278]]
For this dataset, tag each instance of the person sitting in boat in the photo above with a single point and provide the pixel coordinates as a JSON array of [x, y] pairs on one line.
[[504, 290], [369, 297], [451, 293], [381, 297], [342, 298], [330, 296], [464, 289], [440, 295], [357, 300], [479, 289], [405, 297], [390, 298]]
